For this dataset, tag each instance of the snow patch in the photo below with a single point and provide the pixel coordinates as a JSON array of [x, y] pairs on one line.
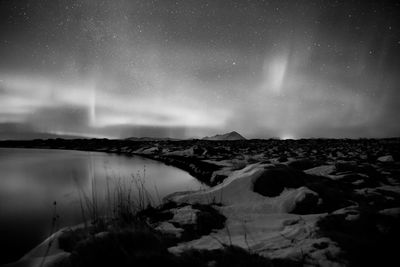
[[169, 228], [185, 215], [387, 158], [323, 170]]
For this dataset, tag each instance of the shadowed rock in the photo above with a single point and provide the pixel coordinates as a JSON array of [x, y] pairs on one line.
[[304, 164], [273, 181], [331, 195]]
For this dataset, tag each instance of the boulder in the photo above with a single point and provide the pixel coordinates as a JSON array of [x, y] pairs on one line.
[[387, 158], [275, 179], [303, 164]]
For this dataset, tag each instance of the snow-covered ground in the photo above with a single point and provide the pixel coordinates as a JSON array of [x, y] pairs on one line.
[[262, 224]]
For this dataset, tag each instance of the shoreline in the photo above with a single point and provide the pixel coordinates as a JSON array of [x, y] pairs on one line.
[[296, 201], [202, 171]]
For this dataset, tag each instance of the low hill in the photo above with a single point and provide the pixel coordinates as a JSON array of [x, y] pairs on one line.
[[225, 137]]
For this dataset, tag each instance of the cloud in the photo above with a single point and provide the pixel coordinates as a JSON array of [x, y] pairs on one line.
[[55, 105]]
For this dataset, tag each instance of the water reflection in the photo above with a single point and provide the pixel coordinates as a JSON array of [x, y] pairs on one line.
[[32, 179]]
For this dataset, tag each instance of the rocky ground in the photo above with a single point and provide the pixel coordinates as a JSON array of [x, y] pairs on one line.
[[293, 202]]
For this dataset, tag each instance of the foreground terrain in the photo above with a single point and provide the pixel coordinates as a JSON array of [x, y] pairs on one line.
[[273, 202]]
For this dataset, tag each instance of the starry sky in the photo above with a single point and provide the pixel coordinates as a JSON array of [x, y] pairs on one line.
[[190, 68]]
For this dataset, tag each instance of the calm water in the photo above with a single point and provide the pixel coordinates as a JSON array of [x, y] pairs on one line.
[[32, 179]]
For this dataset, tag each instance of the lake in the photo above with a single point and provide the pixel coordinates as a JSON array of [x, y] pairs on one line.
[[31, 180]]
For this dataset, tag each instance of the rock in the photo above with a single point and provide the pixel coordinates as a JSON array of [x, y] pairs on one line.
[[392, 212], [101, 235], [150, 150], [208, 219], [346, 166], [323, 170], [169, 228], [304, 202], [387, 158], [275, 179], [335, 195], [218, 178], [185, 215], [282, 159], [303, 164], [197, 150], [358, 180]]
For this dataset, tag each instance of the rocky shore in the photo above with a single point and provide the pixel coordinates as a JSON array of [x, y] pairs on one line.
[[316, 202]]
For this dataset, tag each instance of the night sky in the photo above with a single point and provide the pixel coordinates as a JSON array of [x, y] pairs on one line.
[[191, 68]]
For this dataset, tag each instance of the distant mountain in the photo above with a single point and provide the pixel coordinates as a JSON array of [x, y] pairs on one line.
[[18, 131], [37, 135], [225, 137], [150, 139]]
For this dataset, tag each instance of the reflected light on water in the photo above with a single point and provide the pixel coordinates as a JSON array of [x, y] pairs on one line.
[[32, 179]]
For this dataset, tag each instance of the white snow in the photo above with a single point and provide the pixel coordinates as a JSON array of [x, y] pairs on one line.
[[169, 228], [150, 150], [262, 224], [234, 190], [387, 158], [223, 163], [395, 189], [352, 213], [392, 212], [186, 152], [375, 191], [185, 215], [237, 190], [323, 170], [277, 235]]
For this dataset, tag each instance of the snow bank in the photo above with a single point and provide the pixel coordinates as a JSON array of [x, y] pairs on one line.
[[237, 190], [278, 235], [262, 224]]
